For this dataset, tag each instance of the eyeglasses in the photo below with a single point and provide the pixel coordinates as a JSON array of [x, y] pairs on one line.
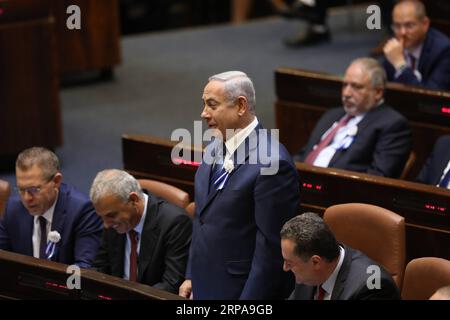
[[408, 26], [33, 191]]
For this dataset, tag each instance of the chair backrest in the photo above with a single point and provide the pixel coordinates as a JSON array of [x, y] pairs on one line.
[[191, 209], [423, 276], [166, 191], [5, 191], [375, 231], [408, 166]]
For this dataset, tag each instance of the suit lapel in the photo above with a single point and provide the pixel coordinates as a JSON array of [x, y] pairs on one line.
[[369, 118], [339, 284], [59, 216], [149, 237], [425, 55]]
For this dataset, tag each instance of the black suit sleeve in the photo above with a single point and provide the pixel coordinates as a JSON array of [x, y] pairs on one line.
[[177, 239], [392, 149]]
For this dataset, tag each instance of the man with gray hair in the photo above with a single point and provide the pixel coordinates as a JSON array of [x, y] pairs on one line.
[[239, 206], [146, 239], [327, 270], [46, 206], [365, 135]]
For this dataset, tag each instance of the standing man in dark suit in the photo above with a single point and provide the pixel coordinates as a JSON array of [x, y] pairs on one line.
[[146, 238], [436, 170], [325, 270], [418, 55], [365, 135], [243, 194], [47, 205]]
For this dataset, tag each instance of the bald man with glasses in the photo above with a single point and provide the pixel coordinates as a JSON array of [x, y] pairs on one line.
[[417, 55], [43, 205]]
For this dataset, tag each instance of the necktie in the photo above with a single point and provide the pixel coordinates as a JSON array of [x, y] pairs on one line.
[[326, 141], [43, 243], [321, 293], [217, 171], [412, 60], [133, 254], [444, 182]]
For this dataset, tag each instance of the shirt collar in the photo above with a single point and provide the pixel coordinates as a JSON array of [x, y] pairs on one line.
[[241, 134], [415, 52], [140, 225], [328, 285], [48, 215]]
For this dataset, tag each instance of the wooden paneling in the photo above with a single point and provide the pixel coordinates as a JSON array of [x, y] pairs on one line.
[[426, 208], [30, 112], [96, 45]]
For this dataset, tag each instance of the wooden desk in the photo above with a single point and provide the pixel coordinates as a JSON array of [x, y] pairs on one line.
[[426, 208], [24, 277], [303, 96]]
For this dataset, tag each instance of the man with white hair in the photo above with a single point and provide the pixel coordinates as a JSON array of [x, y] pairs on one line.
[[146, 239]]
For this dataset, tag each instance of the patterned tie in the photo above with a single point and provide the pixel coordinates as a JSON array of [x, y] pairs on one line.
[[444, 182], [217, 171], [133, 254], [326, 141], [43, 243], [321, 293]]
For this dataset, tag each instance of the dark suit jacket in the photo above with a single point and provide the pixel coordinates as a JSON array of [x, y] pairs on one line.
[[381, 146], [74, 218], [433, 169], [163, 253], [235, 251], [434, 64], [351, 282]]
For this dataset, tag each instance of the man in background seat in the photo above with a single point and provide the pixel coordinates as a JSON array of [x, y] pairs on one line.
[[364, 135]]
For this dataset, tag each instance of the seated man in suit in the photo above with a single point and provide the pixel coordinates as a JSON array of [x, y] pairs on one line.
[[418, 55], [44, 204], [365, 135], [436, 170], [146, 238], [326, 270]]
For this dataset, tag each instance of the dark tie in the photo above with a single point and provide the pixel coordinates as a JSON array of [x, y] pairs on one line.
[[444, 182], [412, 59], [43, 244], [321, 293], [133, 254], [326, 141]]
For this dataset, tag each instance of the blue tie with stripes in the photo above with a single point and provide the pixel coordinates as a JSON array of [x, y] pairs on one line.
[[445, 180]]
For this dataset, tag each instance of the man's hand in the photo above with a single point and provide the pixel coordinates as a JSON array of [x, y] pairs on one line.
[[185, 289], [393, 51]]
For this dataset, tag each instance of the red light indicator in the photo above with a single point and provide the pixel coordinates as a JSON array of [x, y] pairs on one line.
[[104, 297], [445, 109], [186, 162]]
